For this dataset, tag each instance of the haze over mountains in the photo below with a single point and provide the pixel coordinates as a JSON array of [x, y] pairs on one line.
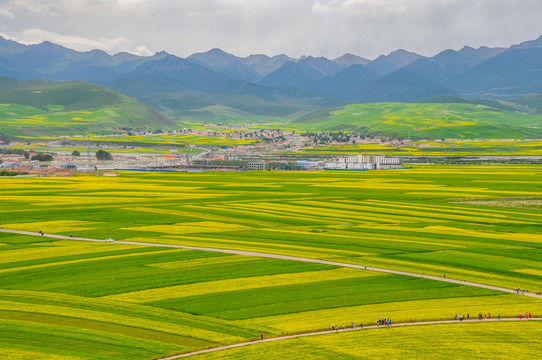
[[213, 82]]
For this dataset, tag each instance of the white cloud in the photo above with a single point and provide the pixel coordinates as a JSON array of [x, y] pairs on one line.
[[79, 43], [35, 35], [142, 51], [295, 27], [7, 13]]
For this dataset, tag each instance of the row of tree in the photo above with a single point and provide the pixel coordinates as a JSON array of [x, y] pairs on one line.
[[101, 155]]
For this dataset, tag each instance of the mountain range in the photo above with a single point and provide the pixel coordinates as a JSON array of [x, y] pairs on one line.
[[208, 85]]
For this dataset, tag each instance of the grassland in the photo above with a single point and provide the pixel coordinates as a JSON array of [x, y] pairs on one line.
[[436, 121], [114, 300]]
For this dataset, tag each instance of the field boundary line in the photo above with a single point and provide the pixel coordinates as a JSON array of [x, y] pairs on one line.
[[281, 257], [325, 332]]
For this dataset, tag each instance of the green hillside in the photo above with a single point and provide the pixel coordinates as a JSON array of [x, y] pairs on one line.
[[432, 120], [46, 108], [531, 104]]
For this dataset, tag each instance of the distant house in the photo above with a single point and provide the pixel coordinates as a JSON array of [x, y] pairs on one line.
[[256, 166]]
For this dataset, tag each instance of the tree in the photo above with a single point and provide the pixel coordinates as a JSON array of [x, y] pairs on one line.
[[103, 155], [42, 157], [76, 153]]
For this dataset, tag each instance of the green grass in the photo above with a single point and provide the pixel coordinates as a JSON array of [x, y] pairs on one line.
[[288, 299], [436, 121]]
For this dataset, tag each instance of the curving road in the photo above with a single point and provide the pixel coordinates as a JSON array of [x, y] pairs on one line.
[[335, 331], [282, 257]]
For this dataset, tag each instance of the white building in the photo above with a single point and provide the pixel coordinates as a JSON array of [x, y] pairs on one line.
[[364, 162], [256, 166]]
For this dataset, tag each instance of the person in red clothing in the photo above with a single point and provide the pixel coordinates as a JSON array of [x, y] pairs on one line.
[[261, 336]]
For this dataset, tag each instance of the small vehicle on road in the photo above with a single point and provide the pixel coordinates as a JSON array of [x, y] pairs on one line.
[[109, 240]]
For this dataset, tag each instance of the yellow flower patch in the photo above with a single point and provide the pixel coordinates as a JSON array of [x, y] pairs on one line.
[[507, 305], [54, 226], [191, 227]]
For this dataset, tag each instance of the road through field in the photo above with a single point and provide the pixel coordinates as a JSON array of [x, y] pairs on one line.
[[337, 331], [282, 257]]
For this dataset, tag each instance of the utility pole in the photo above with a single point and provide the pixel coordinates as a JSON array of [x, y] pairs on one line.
[[88, 152]]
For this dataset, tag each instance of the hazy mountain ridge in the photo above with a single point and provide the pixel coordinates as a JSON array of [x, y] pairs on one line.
[[307, 81]]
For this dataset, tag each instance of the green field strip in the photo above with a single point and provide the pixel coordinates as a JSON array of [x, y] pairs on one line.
[[244, 304], [204, 213], [181, 329], [52, 340], [94, 278], [104, 326], [141, 316]]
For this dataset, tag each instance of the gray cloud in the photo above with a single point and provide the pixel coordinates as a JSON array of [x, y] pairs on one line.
[[300, 27]]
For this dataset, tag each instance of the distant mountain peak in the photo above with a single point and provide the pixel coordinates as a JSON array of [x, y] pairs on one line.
[[537, 43], [125, 56], [48, 44], [351, 59], [217, 50], [159, 53]]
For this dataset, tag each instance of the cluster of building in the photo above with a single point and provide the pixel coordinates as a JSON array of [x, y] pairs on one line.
[[364, 162]]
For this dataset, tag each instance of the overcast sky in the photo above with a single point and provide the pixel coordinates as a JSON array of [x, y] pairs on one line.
[[328, 28]]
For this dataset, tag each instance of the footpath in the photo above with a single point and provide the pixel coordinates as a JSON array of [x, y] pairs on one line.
[[279, 338]]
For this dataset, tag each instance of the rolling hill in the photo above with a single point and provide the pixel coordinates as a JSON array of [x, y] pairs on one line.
[[46, 108], [425, 121]]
